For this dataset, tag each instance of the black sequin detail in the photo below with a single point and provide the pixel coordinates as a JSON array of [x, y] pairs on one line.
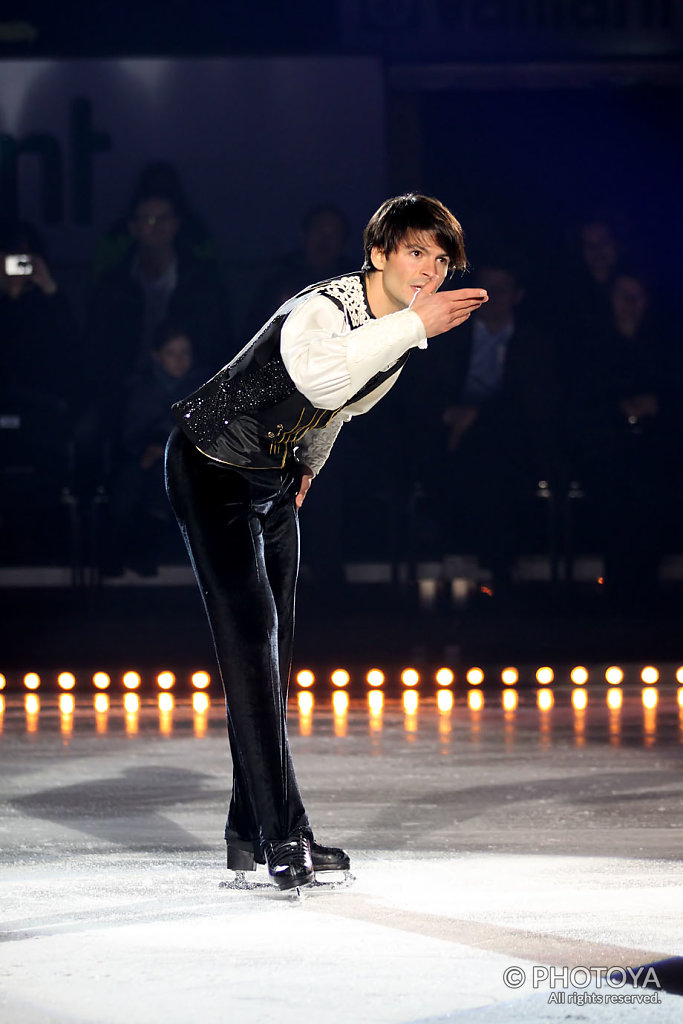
[[212, 407]]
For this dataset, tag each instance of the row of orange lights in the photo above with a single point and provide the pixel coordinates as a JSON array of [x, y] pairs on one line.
[[131, 702], [102, 680], [545, 675], [340, 678], [545, 700]]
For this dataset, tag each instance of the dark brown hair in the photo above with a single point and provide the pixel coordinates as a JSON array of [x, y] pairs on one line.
[[410, 214]]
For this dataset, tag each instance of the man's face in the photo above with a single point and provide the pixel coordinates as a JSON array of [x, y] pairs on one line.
[[599, 249], [504, 295], [154, 224], [629, 299], [419, 257], [175, 358]]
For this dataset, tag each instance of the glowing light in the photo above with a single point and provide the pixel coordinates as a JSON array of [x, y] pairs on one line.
[[101, 680], [165, 680], [305, 677], [579, 675], [101, 703], [614, 675], [615, 698], [545, 675], [650, 697], [32, 704], [2, 705], [579, 699], [305, 702], [375, 677], [680, 697], [67, 703], [650, 675], [375, 702], [340, 677], [166, 702], [444, 700], [545, 699], [201, 680], [410, 677], [340, 702], [510, 676], [200, 703], [510, 700], [66, 680], [3, 682], [200, 706], [131, 703], [445, 677], [679, 675], [131, 680], [475, 676], [31, 680], [411, 701], [475, 700]]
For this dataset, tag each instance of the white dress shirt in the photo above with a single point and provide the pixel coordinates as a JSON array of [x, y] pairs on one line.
[[329, 362]]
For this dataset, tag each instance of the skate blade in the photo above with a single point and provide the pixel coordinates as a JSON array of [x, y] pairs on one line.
[[322, 883], [240, 884]]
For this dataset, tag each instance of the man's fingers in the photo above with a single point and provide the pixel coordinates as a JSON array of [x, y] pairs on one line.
[[430, 287], [469, 293]]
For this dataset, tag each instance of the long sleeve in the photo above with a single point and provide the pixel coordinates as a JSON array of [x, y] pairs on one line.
[[329, 363], [316, 445]]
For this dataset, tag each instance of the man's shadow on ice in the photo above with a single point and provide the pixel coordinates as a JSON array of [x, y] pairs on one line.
[[127, 808]]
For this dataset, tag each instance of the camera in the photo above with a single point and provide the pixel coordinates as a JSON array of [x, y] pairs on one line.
[[18, 265]]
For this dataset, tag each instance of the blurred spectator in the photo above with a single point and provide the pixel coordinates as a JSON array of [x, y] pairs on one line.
[[321, 255], [156, 178], [38, 333], [494, 390], [138, 506], [627, 435], [156, 281]]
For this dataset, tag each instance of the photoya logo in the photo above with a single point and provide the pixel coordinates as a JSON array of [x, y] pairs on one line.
[[57, 191], [581, 977]]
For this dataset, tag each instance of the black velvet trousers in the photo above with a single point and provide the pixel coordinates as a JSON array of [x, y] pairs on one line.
[[241, 530]]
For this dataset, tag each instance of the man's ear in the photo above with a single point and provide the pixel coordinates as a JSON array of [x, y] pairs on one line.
[[378, 257]]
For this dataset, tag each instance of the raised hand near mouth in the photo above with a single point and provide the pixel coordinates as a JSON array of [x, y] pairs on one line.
[[440, 312]]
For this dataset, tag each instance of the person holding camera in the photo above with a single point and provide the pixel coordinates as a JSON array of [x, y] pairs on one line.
[[38, 333]]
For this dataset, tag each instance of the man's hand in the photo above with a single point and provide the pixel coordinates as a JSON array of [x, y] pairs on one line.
[[640, 405], [439, 313], [151, 454], [303, 488], [459, 419], [42, 276]]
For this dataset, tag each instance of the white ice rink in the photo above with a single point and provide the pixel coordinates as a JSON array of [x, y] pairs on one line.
[[480, 844]]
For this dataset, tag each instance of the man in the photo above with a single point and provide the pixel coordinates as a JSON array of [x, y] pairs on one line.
[[157, 281], [250, 442]]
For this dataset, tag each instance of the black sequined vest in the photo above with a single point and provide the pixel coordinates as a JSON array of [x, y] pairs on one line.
[[251, 414]]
